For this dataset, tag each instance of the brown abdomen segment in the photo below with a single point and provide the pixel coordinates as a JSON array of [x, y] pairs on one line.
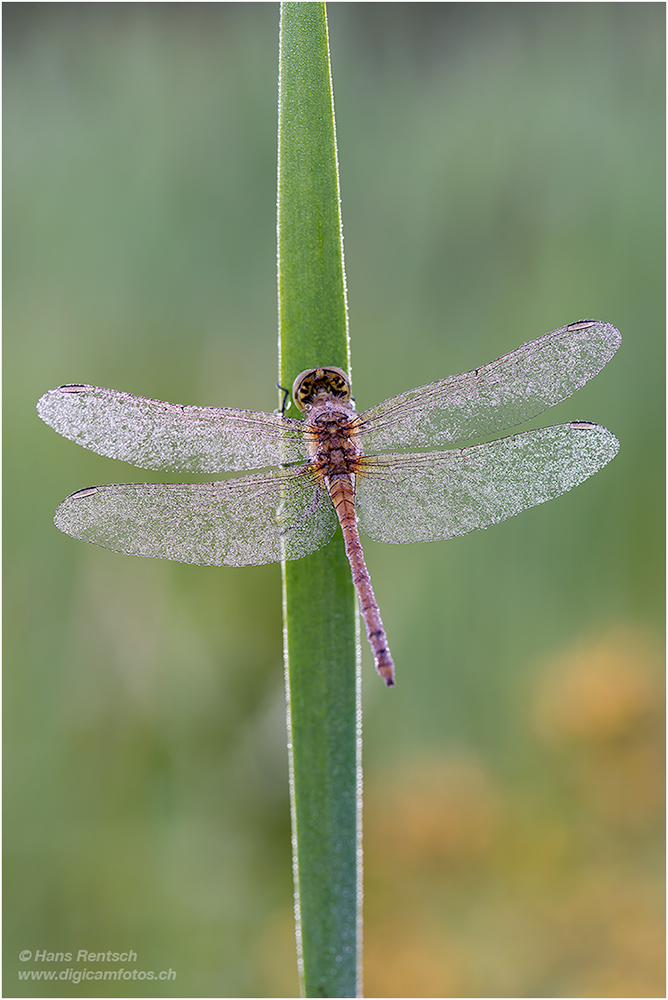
[[343, 498]]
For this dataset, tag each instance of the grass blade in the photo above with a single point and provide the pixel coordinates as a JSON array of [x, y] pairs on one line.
[[321, 643]]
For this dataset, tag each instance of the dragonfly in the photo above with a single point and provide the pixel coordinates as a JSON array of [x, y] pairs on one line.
[[336, 466]]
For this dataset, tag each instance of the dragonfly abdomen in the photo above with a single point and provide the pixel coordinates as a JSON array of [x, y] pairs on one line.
[[341, 491]]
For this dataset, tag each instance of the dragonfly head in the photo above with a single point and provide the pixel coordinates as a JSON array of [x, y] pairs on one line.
[[320, 384]]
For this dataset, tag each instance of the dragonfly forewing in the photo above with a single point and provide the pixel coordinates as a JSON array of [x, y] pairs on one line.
[[436, 495], [168, 437], [237, 522], [499, 395]]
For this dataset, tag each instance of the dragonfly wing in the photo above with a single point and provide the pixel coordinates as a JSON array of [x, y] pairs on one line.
[[169, 437], [238, 522], [502, 394], [424, 497]]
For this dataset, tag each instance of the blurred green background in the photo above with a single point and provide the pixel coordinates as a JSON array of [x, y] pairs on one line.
[[502, 173]]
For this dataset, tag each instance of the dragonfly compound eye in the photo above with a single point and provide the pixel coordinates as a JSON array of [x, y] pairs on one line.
[[320, 383]]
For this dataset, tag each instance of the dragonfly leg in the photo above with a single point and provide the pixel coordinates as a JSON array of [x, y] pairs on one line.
[[284, 402]]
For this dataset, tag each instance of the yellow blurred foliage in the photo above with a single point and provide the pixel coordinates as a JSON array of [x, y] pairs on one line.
[[600, 689], [474, 890], [434, 810], [277, 957], [602, 704], [410, 961]]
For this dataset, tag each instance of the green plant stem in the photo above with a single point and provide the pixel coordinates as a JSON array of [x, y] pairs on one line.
[[321, 644]]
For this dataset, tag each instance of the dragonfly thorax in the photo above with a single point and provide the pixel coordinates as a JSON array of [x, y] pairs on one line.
[[333, 441], [320, 384]]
